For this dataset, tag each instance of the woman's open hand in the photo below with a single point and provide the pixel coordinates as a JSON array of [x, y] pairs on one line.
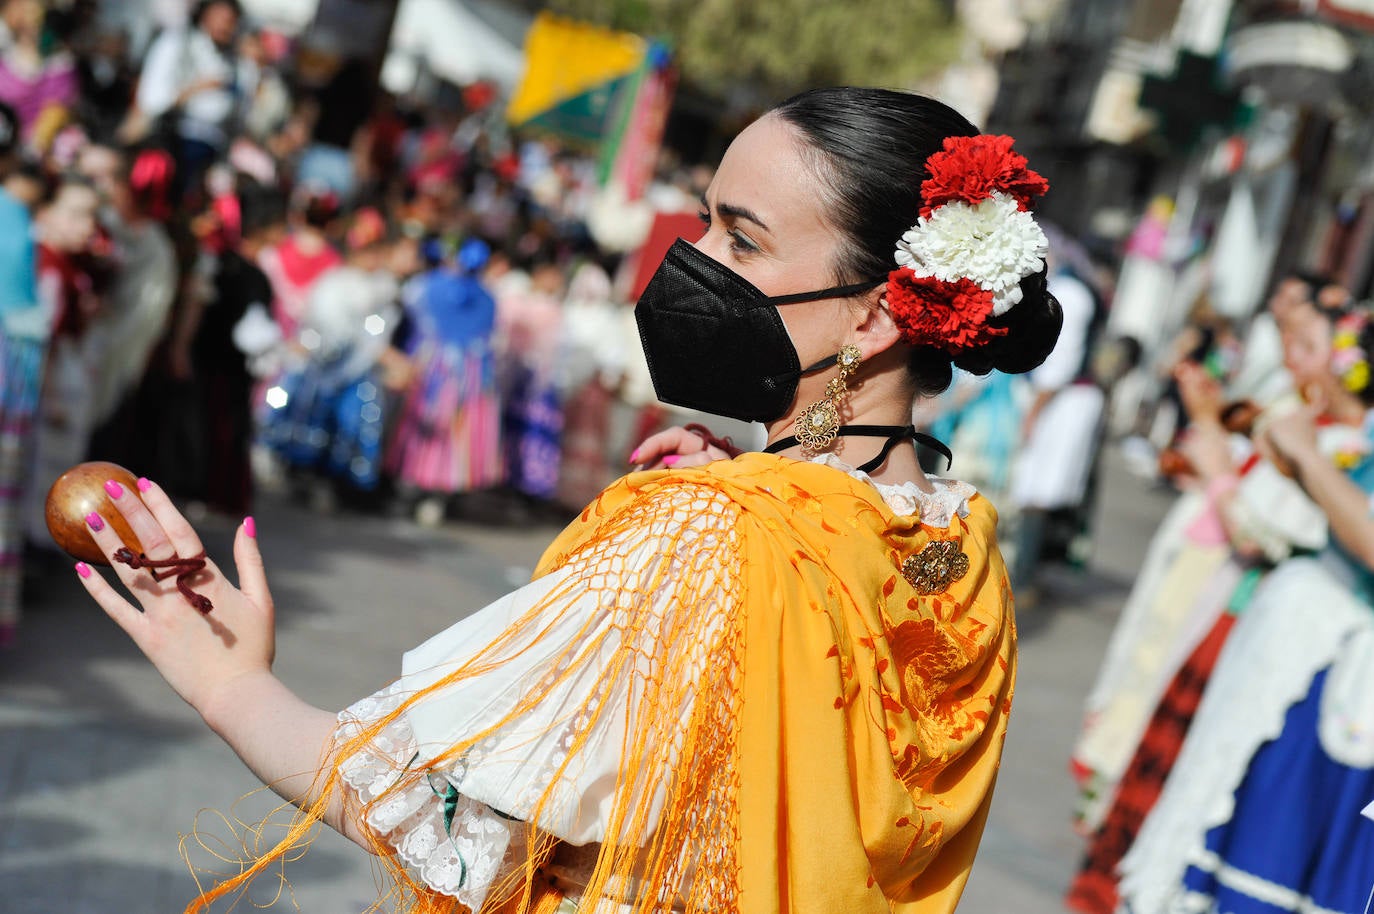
[[676, 448], [198, 654]]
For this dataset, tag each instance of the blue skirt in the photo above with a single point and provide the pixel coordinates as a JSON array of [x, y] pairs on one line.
[[330, 428], [1297, 841]]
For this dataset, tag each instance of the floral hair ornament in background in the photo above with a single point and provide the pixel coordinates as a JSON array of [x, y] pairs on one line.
[[1349, 361], [962, 263]]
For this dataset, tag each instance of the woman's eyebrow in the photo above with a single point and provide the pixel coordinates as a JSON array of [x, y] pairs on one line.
[[737, 212]]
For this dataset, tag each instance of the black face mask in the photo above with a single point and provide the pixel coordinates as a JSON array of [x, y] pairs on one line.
[[716, 343]]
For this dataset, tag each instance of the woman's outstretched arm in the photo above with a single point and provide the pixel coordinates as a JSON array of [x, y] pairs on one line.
[[1346, 505], [219, 662]]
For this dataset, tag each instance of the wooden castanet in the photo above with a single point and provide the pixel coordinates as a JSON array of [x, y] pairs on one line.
[[77, 493]]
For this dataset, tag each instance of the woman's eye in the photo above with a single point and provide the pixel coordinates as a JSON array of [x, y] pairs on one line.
[[741, 244]]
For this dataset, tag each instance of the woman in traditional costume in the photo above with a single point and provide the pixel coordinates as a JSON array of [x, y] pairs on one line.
[[1241, 517], [25, 326], [778, 682], [1262, 811], [331, 421], [447, 440], [529, 347], [297, 263]]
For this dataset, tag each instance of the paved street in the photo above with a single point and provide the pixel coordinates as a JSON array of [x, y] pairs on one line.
[[101, 767]]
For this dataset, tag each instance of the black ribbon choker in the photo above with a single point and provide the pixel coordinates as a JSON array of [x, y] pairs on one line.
[[895, 435]]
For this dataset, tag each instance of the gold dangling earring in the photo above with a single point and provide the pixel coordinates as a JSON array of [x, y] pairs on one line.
[[817, 425]]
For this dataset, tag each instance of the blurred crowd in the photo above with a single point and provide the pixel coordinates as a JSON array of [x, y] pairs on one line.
[[1227, 752], [226, 261]]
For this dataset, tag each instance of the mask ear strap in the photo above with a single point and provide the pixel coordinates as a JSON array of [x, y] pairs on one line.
[[777, 380], [822, 365], [832, 292]]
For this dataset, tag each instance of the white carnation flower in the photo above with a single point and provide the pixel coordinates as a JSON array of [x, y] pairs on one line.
[[992, 243]]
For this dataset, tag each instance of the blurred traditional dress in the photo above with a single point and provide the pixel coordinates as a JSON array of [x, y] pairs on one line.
[[293, 267], [448, 436], [594, 359], [721, 692], [65, 417], [529, 338], [34, 84], [1054, 466], [134, 314], [980, 418], [225, 381], [24, 329], [1262, 810], [332, 417], [1192, 589]]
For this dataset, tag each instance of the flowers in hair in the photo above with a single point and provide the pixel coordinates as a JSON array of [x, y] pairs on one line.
[[1349, 361], [992, 243], [972, 168], [962, 263], [953, 312]]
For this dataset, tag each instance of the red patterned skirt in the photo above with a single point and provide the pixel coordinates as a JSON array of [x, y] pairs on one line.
[[1094, 889]]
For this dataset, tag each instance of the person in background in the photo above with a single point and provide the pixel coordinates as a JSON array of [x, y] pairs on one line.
[[240, 296], [447, 439], [329, 426], [306, 254], [33, 77], [107, 83], [139, 302], [980, 418], [1260, 375], [266, 98], [1059, 432], [529, 338], [1238, 517], [1287, 719], [190, 81], [24, 329], [594, 359], [27, 182], [66, 227], [340, 108]]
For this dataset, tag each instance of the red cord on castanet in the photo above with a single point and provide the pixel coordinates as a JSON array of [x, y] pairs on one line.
[[705, 434], [161, 569]]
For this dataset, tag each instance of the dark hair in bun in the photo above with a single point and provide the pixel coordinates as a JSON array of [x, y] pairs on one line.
[[871, 149]]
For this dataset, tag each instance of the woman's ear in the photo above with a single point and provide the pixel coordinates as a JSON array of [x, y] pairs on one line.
[[874, 330]]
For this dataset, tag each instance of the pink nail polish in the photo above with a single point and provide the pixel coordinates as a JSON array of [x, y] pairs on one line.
[[83, 569], [94, 522], [671, 460], [114, 488], [634, 456], [144, 484], [250, 527]]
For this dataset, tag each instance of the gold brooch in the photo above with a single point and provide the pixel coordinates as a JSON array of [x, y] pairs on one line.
[[935, 567]]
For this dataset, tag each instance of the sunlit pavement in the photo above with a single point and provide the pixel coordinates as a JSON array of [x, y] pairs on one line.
[[101, 766]]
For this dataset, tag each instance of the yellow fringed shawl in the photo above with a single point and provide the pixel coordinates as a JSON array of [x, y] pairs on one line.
[[793, 727], [870, 719]]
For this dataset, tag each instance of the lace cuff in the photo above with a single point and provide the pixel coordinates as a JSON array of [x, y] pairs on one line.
[[455, 845]]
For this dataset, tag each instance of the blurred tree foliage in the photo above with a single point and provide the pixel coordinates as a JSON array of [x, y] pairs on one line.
[[781, 46]]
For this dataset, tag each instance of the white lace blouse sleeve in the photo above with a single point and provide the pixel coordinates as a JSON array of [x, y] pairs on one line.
[[462, 828]]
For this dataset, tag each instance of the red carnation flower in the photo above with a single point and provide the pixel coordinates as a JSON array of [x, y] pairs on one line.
[[970, 168], [952, 316]]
